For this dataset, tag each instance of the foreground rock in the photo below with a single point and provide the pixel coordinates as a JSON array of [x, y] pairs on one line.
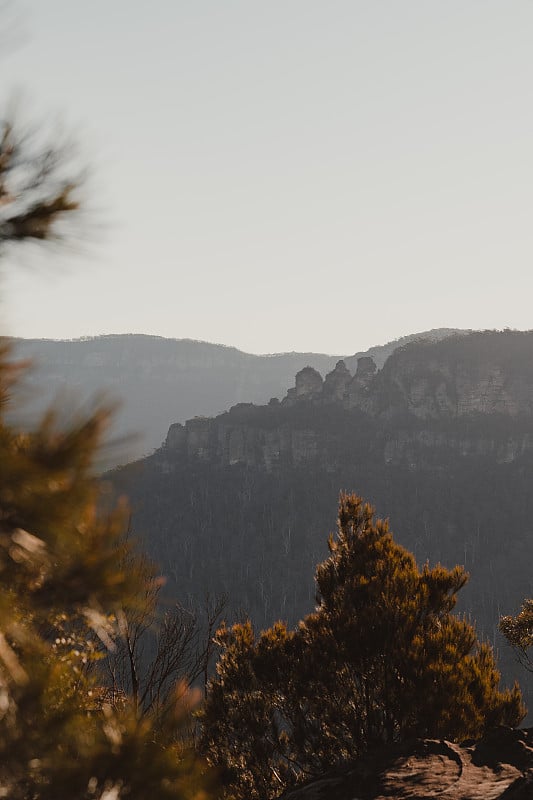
[[499, 766]]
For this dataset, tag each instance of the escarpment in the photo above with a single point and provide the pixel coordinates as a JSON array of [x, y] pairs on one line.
[[470, 394]]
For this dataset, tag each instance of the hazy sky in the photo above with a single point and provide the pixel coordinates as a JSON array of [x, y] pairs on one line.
[[296, 175]]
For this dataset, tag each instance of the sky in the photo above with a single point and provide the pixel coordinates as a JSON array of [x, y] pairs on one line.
[[283, 175]]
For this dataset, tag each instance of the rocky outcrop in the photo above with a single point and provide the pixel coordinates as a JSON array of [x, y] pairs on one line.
[[359, 390], [336, 382], [472, 395], [500, 767], [482, 373], [308, 384], [339, 386]]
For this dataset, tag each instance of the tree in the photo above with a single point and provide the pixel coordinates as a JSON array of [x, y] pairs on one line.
[[39, 186], [518, 631], [156, 649], [62, 584], [61, 591], [382, 659]]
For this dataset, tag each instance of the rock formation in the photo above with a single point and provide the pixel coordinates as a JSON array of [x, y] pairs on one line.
[[500, 767], [336, 382], [427, 395], [339, 386]]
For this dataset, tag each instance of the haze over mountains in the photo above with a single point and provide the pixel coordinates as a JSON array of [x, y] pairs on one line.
[[159, 381], [440, 439]]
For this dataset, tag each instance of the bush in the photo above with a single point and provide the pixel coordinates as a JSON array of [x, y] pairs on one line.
[[381, 660], [62, 588]]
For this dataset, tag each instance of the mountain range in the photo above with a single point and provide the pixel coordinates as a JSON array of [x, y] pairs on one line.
[[155, 381]]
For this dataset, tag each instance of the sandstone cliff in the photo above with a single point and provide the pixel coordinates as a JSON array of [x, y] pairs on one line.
[[427, 396], [481, 373]]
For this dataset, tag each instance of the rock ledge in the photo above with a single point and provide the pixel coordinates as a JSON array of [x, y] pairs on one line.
[[500, 766]]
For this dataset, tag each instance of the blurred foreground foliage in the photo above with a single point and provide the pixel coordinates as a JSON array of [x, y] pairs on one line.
[[518, 630], [67, 574], [40, 186], [381, 660], [63, 588]]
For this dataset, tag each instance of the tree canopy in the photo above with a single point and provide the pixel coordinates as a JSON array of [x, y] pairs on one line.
[[518, 630], [39, 185], [382, 659]]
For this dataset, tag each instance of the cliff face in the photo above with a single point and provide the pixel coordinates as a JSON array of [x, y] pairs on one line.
[[484, 373], [470, 394]]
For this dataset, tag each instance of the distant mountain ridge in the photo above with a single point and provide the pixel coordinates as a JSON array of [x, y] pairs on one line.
[[380, 353], [158, 381]]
